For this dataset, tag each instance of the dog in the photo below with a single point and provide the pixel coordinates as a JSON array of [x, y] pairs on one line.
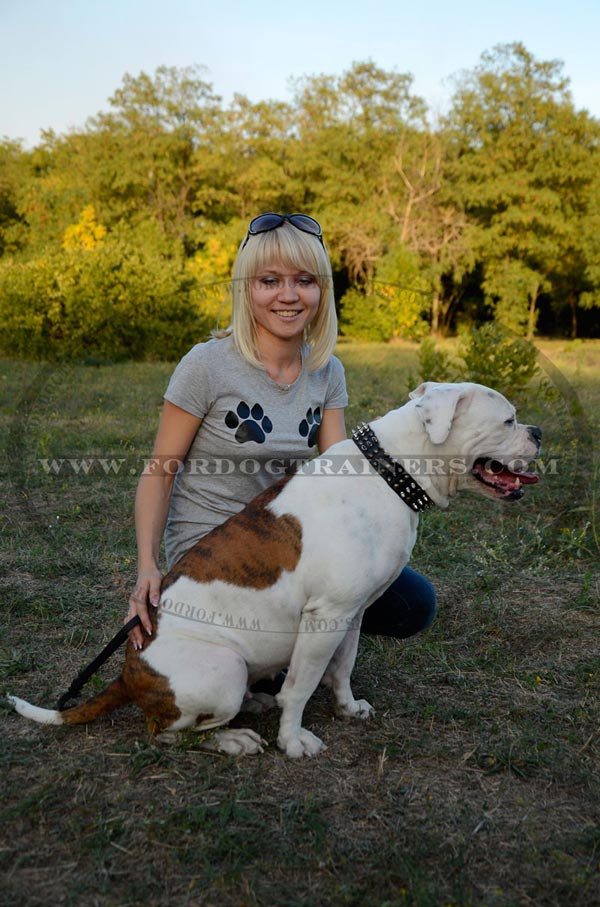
[[284, 583]]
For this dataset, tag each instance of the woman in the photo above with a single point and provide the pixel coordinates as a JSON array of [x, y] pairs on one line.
[[266, 392]]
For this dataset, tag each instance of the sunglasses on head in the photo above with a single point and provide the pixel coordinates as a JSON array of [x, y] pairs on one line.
[[264, 223]]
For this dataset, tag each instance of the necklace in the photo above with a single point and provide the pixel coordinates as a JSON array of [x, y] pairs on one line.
[[286, 387]]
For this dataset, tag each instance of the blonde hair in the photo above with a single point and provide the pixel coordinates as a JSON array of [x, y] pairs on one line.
[[296, 250]]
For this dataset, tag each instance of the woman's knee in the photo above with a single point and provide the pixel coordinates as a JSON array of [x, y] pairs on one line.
[[407, 607], [425, 599]]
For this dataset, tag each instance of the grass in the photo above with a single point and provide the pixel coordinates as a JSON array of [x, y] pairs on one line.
[[478, 780]]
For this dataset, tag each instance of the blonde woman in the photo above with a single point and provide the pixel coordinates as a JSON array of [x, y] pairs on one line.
[[240, 407]]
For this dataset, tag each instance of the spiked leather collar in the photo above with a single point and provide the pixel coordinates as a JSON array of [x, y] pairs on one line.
[[391, 470]]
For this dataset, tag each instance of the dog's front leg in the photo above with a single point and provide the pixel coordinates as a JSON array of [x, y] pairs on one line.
[[313, 650], [338, 673]]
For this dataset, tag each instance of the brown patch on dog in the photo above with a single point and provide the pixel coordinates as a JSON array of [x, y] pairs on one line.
[[150, 691], [250, 549], [138, 683], [108, 700]]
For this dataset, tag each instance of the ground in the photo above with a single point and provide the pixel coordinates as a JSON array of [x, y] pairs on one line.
[[477, 781]]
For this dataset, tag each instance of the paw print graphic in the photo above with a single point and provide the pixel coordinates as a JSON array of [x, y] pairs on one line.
[[251, 424], [309, 427]]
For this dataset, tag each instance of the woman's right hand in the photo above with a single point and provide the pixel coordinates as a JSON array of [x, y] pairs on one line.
[[146, 591]]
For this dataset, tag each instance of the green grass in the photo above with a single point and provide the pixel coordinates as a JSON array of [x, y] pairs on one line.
[[476, 784]]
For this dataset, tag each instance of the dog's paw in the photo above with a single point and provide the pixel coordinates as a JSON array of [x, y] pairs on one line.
[[302, 744], [258, 703], [236, 742], [358, 708]]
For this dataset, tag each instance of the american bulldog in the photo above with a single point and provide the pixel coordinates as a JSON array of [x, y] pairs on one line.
[[284, 583]]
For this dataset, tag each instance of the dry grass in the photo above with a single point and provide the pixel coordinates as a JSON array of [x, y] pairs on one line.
[[477, 783]]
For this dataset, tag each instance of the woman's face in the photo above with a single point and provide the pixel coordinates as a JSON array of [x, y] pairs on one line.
[[284, 301]]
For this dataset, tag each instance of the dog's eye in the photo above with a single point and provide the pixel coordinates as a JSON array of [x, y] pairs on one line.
[[510, 421]]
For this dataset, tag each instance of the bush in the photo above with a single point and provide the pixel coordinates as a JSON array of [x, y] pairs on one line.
[[118, 301], [385, 313], [491, 355], [487, 355]]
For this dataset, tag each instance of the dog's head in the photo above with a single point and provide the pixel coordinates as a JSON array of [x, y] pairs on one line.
[[476, 427]]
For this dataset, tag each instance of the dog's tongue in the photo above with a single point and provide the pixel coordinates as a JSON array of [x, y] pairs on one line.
[[505, 474]]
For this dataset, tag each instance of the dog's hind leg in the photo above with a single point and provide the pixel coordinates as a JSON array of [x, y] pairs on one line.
[[208, 683]]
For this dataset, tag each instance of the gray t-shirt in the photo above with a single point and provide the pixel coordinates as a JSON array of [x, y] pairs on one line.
[[252, 429]]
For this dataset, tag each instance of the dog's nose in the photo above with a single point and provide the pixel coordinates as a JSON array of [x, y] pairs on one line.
[[535, 434]]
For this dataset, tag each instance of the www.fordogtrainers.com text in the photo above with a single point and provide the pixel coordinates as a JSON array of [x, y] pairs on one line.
[[106, 466]]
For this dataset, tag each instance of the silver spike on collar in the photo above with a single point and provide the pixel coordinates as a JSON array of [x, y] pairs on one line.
[[391, 470]]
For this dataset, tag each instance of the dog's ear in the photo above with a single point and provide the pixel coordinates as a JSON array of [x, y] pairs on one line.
[[437, 407]]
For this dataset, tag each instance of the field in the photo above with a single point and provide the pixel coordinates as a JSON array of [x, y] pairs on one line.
[[477, 784]]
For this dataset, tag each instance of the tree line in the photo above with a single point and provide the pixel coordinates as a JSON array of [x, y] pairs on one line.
[[117, 239]]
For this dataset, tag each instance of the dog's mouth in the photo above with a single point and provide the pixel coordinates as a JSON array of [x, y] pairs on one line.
[[504, 482]]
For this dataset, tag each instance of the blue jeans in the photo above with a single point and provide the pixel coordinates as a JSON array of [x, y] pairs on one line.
[[405, 608]]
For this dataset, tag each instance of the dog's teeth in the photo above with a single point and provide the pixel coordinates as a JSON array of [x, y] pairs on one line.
[[517, 482]]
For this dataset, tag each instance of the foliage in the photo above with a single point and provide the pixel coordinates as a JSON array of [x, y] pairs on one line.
[[211, 266], [116, 301], [498, 359], [84, 235], [12, 226], [525, 162], [486, 355], [494, 210], [394, 303], [434, 365]]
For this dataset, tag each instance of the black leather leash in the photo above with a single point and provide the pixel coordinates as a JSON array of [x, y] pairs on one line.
[[83, 676], [394, 473]]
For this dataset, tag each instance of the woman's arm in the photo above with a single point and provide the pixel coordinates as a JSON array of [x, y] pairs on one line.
[[332, 429], [176, 431]]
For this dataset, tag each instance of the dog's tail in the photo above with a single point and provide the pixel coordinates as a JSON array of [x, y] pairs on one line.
[[113, 696]]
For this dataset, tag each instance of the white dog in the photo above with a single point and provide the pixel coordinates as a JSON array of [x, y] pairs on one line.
[[284, 583]]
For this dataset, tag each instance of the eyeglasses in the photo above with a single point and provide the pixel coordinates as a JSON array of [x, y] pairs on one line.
[[264, 223], [272, 281]]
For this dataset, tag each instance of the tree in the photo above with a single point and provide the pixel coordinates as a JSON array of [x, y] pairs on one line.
[[348, 126], [156, 147], [428, 220], [524, 162], [256, 152], [379, 175], [53, 190], [590, 245], [13, 170], [501, 198]]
